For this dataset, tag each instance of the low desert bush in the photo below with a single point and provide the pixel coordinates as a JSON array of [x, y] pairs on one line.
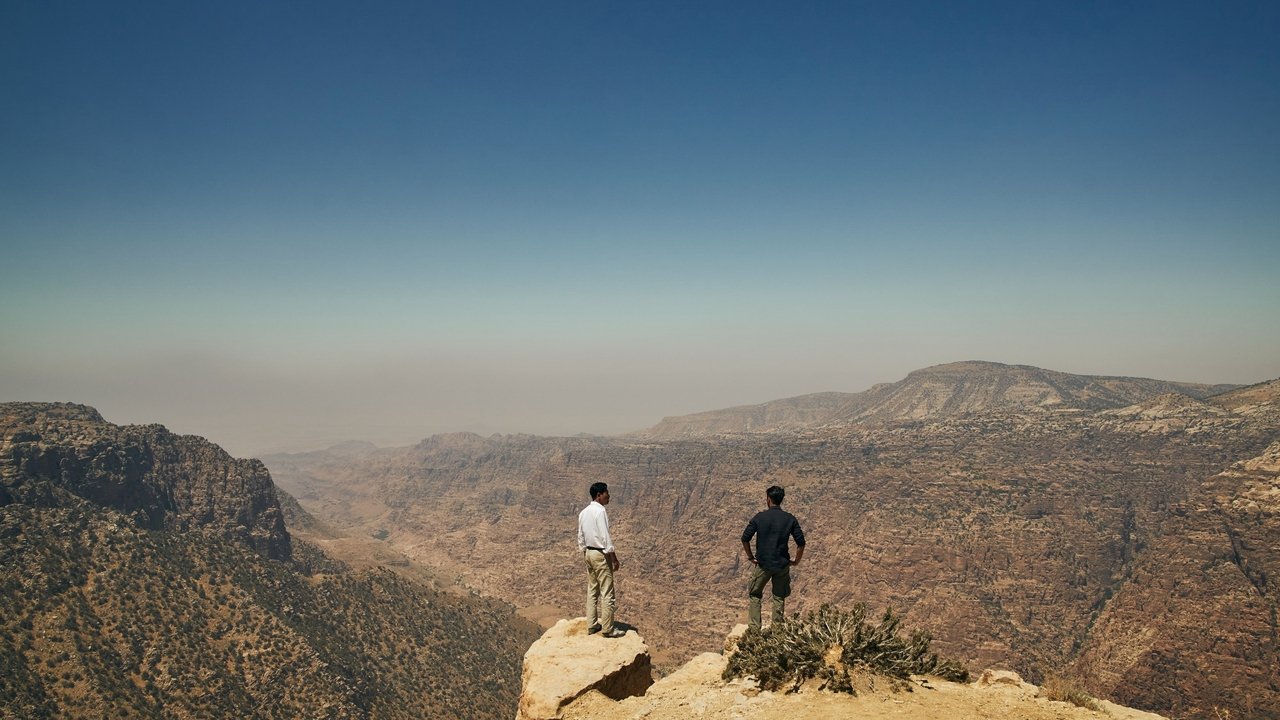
[[1064, 690], [830, 644]]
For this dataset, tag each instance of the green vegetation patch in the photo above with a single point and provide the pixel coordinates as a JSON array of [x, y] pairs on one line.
[[834, 646]]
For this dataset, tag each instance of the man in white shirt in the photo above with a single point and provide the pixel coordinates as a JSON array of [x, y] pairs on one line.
[[597, 548]]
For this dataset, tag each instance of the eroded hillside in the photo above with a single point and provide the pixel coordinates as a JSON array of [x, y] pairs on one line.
[[144, 574]]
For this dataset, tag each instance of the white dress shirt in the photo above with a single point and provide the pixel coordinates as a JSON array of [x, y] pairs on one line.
[[593, 528]]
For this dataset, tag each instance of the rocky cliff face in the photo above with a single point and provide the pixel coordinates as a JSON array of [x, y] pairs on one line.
[[1200, 604], [50, 452], [1008, 534]]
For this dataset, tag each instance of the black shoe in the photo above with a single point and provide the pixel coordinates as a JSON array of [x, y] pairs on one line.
[[593, 629], [615, 633]]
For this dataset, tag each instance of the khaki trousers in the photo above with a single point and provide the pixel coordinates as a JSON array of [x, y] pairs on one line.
[[781, 587], [600, 595]]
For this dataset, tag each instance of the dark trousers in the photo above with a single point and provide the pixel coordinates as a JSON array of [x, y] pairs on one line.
[[781, 587]]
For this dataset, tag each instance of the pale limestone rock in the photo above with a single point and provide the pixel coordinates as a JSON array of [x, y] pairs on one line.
[[566, 663]]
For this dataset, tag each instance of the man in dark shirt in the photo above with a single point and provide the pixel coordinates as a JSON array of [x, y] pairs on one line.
[[773, 562]]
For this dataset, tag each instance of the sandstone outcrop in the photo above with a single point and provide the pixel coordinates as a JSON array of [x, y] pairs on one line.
[[567, 662]]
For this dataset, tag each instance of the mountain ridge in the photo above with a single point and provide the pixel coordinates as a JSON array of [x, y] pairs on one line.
[[971, 386]]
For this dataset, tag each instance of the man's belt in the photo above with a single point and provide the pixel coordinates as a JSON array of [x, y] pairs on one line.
[[595, 548]]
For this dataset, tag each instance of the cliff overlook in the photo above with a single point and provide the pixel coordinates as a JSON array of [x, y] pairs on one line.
[[569, 675], [1125, 540]]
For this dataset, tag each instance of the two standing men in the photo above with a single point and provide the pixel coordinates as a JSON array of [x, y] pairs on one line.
[[772, 528]]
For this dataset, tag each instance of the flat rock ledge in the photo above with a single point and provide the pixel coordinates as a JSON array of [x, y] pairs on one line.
[[566, 663]]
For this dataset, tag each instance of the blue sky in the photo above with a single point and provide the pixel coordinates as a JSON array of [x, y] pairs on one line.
[[283, 224]]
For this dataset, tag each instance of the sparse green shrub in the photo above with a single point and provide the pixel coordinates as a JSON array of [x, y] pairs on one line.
[[830, 644]]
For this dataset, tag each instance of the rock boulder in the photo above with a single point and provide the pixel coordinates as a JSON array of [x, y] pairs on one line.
[[566, 662]]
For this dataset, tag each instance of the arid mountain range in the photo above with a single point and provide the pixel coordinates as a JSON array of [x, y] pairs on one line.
[[1118, 531], [145, 574], [932, 393]]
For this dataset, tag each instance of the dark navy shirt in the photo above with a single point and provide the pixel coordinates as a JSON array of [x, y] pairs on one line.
[[774, 526]]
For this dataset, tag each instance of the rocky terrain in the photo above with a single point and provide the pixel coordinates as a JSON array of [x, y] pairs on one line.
[[1199, 604], [160, 480], [1120, 530], [570, 675], [144, 574]]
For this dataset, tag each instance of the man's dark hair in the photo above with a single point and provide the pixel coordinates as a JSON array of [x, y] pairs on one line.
[[776, 494], [597, 488]]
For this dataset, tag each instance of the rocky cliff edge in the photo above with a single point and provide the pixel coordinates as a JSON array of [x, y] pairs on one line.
[[570, 675], [567, 662]]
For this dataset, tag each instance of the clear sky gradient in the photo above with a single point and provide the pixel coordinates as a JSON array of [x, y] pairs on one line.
[[279, 225]]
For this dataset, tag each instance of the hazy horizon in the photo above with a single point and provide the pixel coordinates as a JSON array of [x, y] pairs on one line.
[[283, 226], [388, 430]]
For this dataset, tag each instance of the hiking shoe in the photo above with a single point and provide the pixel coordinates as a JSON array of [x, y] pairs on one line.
[[593, 629], [615, 633]]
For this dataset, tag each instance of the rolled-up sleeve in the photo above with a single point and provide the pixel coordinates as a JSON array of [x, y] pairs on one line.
[[797, 534], [603, 527]]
